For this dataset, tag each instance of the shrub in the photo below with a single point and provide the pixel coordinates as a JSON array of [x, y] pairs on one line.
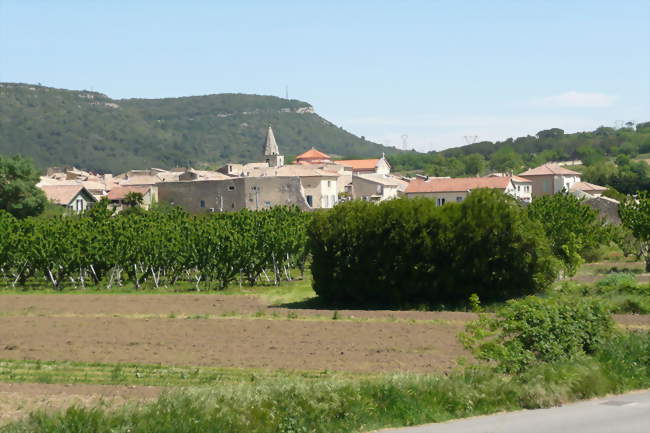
[[533, 330], [409, 252]]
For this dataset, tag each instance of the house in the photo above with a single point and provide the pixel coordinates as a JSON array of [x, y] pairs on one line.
[[589, 188], [75, 198], [192, 175], [313, 156], [377, 187], [550, 179], [118, 195], [457, 189], [234, 194], [320, 186], [367, 166], [232, 169]]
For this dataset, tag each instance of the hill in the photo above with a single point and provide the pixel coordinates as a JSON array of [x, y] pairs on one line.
[[607, 156], [90, 130]]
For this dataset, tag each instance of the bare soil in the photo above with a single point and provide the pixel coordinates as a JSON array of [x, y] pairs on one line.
[[164, 305], [272, 344], [19, 399]]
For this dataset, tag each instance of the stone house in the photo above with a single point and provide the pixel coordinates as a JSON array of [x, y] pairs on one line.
[[457, 189], [234, 194], [377, 187], [118, 194], [550, 179]]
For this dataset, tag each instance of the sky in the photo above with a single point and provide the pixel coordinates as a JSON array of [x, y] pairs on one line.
[[428, 74]]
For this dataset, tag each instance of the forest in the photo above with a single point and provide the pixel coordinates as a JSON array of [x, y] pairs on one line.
[[94, 132], [617, 158]]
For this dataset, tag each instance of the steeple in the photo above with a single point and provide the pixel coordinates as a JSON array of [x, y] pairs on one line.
[[271, 151], [271, 147]]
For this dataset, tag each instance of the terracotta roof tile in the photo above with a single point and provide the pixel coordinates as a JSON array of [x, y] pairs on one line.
[[548, 169], [586, 186], [313, 154], [359, 164], [120, 192], [456, 184], [61, 194]]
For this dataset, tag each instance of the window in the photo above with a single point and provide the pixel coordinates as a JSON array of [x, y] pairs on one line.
[[79, 205], [440, 201], [547, 186], [326, 202], [254, 188], [329, 183], [202, 204], [310, 201], [459, 199], [267, 203], [231, 188]]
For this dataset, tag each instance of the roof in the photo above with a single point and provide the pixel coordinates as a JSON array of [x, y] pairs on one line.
[[457, 184], [586, 186], [291, 170], [520, 179], [313, 154], [382, 179], [270, 146], [360, 164], [121, 191], [64, 194], [548, 169]]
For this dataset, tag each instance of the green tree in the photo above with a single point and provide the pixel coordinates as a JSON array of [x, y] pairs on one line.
[[506, 160], [572, 227], [18, 192], [133, 199], [635, 215]]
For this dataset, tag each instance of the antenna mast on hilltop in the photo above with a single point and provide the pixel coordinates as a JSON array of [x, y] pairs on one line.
[[471, 139], [405, 138], [286, 91]]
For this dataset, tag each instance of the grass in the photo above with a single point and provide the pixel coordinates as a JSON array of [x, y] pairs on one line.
[[297, 290], [333, 404], [68, 372]]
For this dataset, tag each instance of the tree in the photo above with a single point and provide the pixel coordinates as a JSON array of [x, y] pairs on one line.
[[18, 192], [506, 160], [133, 199], [635, 215], [572, 227]]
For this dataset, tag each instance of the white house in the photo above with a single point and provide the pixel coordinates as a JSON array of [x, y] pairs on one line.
[[446, 190], [75, 198]]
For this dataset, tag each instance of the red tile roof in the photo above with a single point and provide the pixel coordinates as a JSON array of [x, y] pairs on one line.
[[61, 194], [121, 191], [359, 164], [312, 154], [456, 184], [548, 169], [586, 186]]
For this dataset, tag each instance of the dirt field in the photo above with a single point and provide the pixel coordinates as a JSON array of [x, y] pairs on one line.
[[226, 331], [18, 399], [164, 305], [62, 327]]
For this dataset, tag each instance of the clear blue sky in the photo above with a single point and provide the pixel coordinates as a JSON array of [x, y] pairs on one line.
[[435, 70]]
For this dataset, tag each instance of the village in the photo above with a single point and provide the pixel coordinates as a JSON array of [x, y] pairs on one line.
[[311, 181]]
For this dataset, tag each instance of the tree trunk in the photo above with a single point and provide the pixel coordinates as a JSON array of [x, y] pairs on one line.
[[647, 263]]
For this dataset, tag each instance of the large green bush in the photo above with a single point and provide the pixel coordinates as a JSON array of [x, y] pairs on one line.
[[532, 330], [407, 252]]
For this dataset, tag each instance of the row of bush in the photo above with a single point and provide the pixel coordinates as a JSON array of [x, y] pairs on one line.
[[409, 251], [162, 247]]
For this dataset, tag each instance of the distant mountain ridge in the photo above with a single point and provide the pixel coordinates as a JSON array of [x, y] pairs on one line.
[[90, 130]]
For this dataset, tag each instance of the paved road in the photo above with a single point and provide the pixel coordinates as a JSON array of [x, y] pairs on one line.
[[628, 413]]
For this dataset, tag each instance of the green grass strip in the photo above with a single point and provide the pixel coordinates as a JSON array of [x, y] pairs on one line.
[[68, 372]]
